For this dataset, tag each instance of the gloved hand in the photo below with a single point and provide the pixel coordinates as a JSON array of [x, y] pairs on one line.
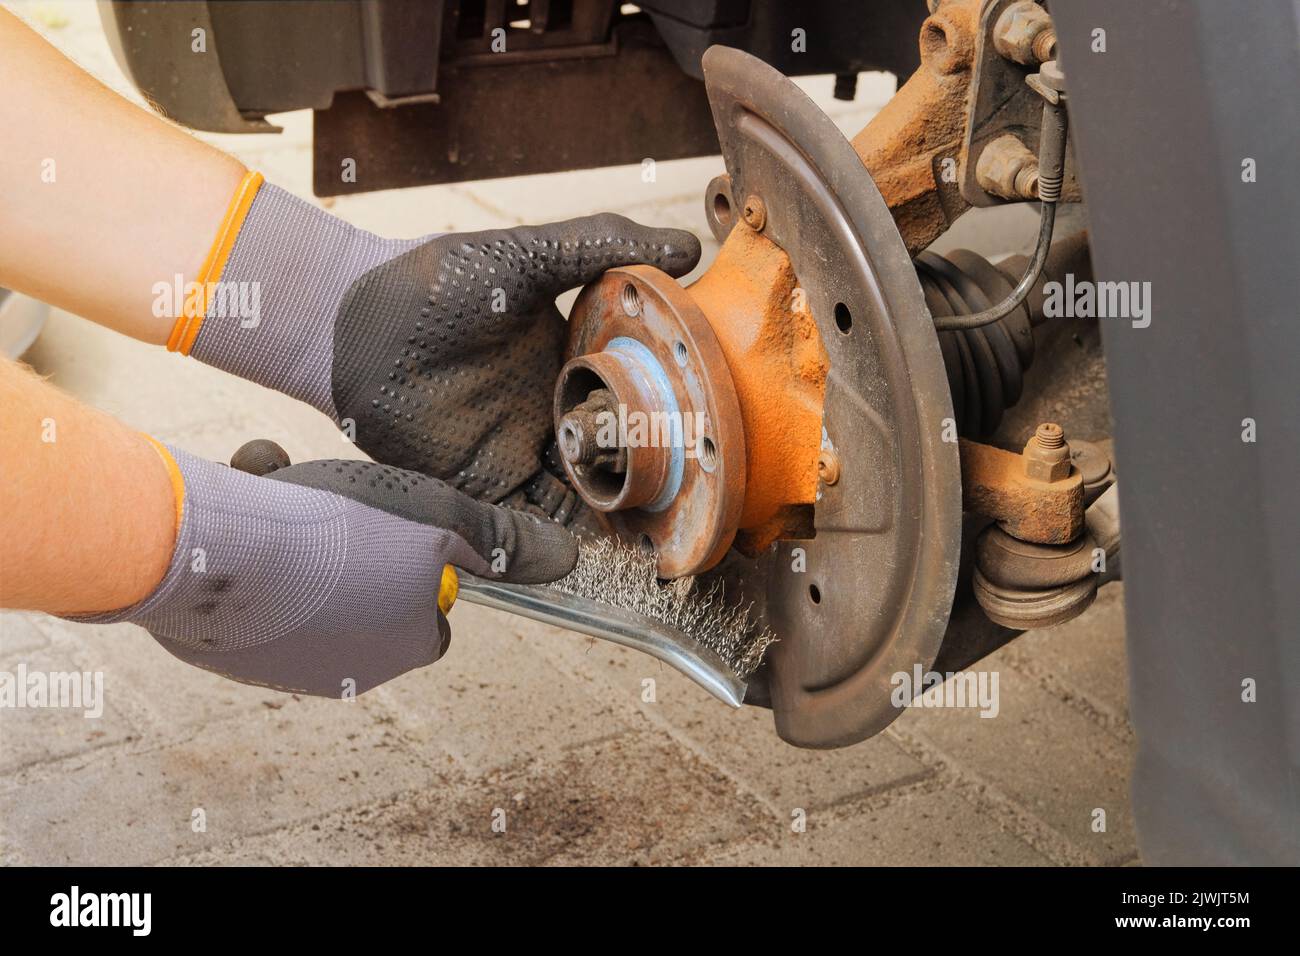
[[322, 578], [440, 354]]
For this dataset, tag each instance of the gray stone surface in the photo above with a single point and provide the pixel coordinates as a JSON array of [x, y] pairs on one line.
[[910, 827], [547, 726]]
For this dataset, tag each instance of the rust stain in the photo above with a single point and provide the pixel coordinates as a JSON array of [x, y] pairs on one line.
[[905, 146], [751, 297], [994, 483]]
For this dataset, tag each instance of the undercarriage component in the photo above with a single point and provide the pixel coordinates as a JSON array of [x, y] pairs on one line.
[[912, 146], [1024, 609], [842, 393], [838, 374], [1013, 563], [779, 366], [869, 595], [1022, 585], [986, 365], [534, 114], [772, 367], [925, 146], [647, 419], [1034, 496], [422, 91], [851, 495], [1011, 41], [1049, 172]]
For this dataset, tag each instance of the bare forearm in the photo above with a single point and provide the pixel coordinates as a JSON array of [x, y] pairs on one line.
[[87, 507], [100, 200]]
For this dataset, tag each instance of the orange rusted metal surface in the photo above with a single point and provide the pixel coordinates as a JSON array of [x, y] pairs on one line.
[[698, 505], [751, 299], [913, 145], [750, 295], [998, 484], [778, 366]]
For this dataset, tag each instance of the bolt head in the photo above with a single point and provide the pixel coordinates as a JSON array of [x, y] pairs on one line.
[[828, 466], [1006, 167], [755, 213], [1017, 29]]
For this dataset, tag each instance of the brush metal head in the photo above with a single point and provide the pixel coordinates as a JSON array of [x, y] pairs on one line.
[[614, 574]]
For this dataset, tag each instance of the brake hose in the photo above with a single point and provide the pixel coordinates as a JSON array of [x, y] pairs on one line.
[[1051, 173]]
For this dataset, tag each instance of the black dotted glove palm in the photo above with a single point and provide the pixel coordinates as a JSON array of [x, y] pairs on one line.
[[446, 356]]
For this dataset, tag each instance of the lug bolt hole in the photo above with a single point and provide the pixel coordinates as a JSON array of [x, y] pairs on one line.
[[631, 299], [708, 454]]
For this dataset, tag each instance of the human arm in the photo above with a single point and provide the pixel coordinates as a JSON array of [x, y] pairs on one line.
[[319, 578], [437, 354], [99, 198]]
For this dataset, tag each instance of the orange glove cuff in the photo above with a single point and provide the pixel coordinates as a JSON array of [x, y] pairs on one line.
[[173, 473], [186, 329]]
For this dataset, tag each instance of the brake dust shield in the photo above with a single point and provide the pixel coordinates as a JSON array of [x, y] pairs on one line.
[[869, 596]]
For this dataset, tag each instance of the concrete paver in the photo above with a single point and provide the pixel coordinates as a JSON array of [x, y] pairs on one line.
[[656, 808], [915, 828], [31, 735], [738, 741], [138, 803], [1048, 758], [501, 704]]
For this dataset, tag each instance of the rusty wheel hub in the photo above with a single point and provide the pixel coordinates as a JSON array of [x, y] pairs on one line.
[[647, 420]]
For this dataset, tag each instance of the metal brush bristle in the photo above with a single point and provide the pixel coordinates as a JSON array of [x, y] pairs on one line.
[[623, 577]]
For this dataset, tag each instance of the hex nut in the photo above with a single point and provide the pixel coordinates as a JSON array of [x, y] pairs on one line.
[[1008, 168], [1047, 455], [1016, 34]]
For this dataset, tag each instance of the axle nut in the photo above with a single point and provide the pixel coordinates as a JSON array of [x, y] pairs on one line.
[[578, 434]]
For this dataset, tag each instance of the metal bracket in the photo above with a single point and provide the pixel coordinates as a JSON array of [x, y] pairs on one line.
[[1001, 103]]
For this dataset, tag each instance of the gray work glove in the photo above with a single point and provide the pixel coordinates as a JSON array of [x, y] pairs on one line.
[[439, 354], [323, 578]]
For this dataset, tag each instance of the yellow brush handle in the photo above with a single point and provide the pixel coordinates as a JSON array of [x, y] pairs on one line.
[[448, 589]]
